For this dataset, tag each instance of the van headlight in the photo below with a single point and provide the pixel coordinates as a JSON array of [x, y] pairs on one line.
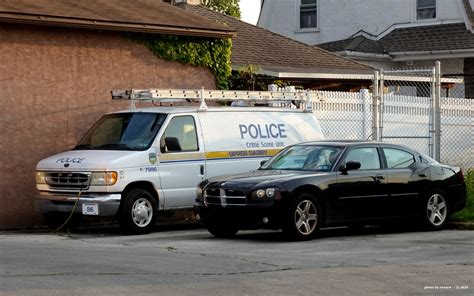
[[103, 178], [40, 177]]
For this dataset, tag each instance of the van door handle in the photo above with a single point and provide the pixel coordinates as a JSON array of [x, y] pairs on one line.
[[201, 170], [423, 175], [380, 177]]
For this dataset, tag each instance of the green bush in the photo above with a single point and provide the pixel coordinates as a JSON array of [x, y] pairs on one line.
[[212, 53], [467, 214]]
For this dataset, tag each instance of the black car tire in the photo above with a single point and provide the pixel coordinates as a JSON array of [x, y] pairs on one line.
[[435, 211], [137, 214], [303, 218], [220, 230]]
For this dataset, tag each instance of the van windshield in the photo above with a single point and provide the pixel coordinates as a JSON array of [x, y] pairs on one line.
[[123, 131]]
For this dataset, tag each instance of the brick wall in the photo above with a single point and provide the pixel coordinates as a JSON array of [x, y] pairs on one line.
[[54, 83]]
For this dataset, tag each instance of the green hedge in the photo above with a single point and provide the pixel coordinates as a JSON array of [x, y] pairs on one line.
[[467, 214], [212, 53]]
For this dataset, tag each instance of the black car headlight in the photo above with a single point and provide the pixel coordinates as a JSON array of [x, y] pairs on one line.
[[267, 193]]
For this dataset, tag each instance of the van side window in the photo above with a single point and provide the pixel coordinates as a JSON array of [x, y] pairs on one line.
[[180, 135], [397, 159], [368, 158]]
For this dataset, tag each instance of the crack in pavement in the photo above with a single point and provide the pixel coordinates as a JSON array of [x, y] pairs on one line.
[[148, 273]]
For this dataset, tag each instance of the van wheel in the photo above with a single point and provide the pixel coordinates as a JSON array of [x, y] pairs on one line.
[[303, 218], [138, 212], [221, 231], [435, 212]]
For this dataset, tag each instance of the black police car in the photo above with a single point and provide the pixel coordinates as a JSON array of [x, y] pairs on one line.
[[310, 185]]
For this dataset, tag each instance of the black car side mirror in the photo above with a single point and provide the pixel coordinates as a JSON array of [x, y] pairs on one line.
[[349, 166], [263, 162]]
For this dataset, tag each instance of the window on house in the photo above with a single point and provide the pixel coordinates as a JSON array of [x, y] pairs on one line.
[[425, 9], [308, 14]]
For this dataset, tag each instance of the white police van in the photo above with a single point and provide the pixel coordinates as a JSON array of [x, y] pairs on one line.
[[134, 162]]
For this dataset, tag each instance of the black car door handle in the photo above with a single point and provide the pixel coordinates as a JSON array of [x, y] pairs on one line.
[[423, 174], [379, 177]]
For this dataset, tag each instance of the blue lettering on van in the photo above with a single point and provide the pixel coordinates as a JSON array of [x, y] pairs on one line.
[[70, 160], [265, 131], [152, 169]]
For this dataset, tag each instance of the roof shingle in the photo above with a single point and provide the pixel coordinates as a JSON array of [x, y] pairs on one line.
[[412, 39], [256, 46], [121, 15]]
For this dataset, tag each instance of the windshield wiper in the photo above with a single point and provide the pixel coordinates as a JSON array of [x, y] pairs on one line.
[[117, 146], [84, 147]]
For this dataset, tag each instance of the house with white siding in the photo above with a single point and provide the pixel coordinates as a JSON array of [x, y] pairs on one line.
[[383, 33]]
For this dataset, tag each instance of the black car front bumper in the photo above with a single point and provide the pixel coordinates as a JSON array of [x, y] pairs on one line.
[[267, 215]]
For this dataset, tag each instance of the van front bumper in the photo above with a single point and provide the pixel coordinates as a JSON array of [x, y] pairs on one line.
[[108, 204]]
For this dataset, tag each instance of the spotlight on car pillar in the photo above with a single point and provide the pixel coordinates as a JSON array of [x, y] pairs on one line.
[[265, 220]]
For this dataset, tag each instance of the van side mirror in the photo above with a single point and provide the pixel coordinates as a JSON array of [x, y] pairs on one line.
[[171, 145], [349, 166]]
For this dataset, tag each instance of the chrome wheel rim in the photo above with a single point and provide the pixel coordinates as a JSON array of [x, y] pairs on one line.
[[436, 209], [142, 212], [306, 217]]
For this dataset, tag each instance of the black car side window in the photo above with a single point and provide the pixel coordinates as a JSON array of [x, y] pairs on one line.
[[368, 158], [397, 159]]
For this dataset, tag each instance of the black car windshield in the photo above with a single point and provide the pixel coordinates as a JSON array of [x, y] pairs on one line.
[[305, 158], [123, 131]]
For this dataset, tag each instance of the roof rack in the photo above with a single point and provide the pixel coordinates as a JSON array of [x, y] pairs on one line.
[[301, 98]]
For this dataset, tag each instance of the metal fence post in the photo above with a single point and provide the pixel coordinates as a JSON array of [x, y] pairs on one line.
[[381, 105], [375, 107], [431, 126], [364, 97], [437, 112]]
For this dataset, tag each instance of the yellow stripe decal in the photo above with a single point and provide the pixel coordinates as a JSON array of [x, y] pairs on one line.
[[241, 153], [193, 156], [181, 156]]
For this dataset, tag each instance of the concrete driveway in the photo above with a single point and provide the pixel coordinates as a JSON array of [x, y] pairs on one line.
[[191, 262]]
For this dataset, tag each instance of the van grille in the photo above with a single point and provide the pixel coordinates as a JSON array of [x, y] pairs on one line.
[[68, 180], [224, 197]]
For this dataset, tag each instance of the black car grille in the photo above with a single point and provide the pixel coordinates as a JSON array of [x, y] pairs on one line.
[[224, 197], [68, 180]]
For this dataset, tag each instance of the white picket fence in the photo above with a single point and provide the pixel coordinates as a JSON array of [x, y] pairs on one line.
[[345, 115]]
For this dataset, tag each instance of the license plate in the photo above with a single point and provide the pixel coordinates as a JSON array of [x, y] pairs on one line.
[[90, 209]]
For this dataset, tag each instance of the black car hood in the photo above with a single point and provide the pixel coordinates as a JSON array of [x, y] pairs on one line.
[[260, 178]]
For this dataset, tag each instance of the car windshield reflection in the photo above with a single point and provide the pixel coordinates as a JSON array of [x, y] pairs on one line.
[[305, 158]]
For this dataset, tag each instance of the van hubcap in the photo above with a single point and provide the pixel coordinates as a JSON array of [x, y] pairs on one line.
[[142, 212]]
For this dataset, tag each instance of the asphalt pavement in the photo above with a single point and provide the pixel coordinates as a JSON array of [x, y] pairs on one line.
[[189, 261]]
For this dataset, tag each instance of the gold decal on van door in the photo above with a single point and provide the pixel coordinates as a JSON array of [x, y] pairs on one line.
[[241, 153], [181, 156]]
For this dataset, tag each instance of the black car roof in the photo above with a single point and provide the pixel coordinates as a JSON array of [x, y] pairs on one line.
[[346, 143], [339, 142]]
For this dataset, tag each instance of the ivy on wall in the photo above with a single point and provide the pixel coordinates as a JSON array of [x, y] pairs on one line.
[[197, 51]]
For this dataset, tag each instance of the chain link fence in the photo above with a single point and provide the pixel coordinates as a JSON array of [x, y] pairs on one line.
[[402, 108]]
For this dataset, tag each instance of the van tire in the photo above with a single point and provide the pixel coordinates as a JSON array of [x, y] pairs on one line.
[[137, 214]]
